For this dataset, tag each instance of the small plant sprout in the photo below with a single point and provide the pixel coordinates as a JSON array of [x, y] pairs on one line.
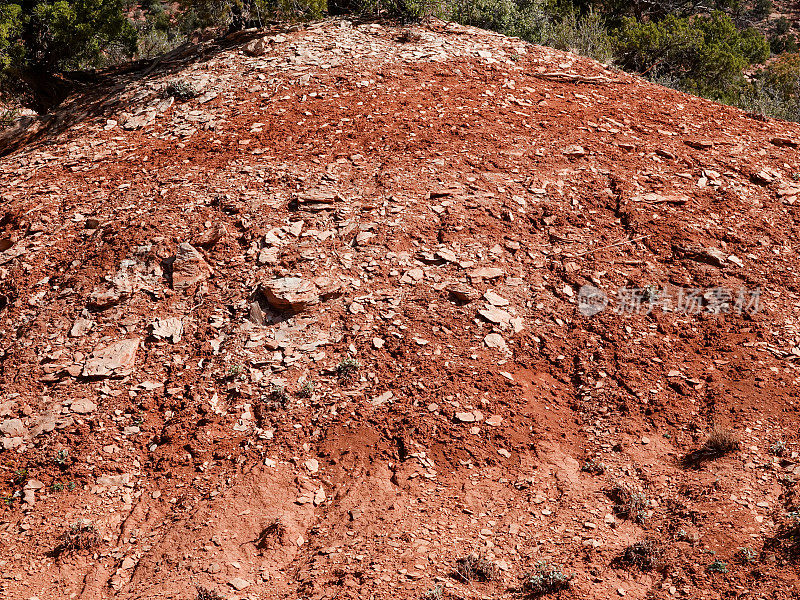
[[721, 441], [61, 457], [307, 389], [347, 368], [778, 448], [746, 555], [629, 503], [718, 566], [278, 394], [79, 536], [475, 567], [434, 593], [546, 578], [646, 555], [181, 89]]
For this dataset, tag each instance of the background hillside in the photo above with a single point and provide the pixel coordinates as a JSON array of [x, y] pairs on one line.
[[738, 52]]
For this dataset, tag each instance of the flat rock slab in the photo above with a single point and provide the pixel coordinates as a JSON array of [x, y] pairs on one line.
[[114, 360], [167, 328], [295, 294], [83, 406]]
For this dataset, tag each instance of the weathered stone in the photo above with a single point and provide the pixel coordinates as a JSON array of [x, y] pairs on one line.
[[114, 360], [699, 144], [486, 273], [169, 328], [495, 299], [496, 341], [294, 294], [211, 236], [257, 47], [83, 406], [81, 327], [495, 315], [575, 151], [189, 268], [120, 289], [318, 199], [465, 417], [13, 428], [783, 142], [290, 293], [461, 292]]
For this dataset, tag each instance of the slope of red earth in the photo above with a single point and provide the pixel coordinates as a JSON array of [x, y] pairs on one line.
[[314, 332]]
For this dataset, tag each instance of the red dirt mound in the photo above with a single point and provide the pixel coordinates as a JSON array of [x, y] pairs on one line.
[[319, 315]]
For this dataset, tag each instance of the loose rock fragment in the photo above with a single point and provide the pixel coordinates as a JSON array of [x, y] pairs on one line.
[[170, 328], [114, 360], [211, 236], [461, 292], [189, 268], [295, 294], [83, 406], [81, 327]]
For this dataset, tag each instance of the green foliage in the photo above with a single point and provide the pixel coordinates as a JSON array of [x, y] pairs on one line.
[[546, 578], [585, 35], [706, 54], [11, 47], [239, 14], [718, 567], [762, 9], [60, 35], [775, 90], [525, 19]]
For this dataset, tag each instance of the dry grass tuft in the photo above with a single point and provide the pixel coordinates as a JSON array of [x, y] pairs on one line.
[[474, 567], [721, 441]]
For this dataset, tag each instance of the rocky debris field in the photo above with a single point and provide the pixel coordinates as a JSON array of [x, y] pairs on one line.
[[306, 317]]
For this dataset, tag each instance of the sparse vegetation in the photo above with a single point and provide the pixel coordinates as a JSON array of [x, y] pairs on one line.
[[61, 457], [647, 555], [721, 441], [79, 536], [272, 535], [718, 566], [8, 115], [629, 503], [278, 394], [787, 537], [204, 593], [434, 593], [778, 448], [593, 467], [746, 555], [307, 389], [181, 89], [475, 567], [347, 368], [546, 578]]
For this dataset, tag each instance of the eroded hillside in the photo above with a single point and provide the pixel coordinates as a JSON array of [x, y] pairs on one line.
[[299, 318]]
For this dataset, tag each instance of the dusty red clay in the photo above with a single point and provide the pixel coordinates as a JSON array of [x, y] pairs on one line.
[[230, 454]]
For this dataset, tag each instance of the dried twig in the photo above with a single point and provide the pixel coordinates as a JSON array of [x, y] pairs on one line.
[[620, 243]]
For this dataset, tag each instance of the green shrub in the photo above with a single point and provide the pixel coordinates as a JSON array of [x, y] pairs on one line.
[[585, 35], [706, 54], [239, 14]]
